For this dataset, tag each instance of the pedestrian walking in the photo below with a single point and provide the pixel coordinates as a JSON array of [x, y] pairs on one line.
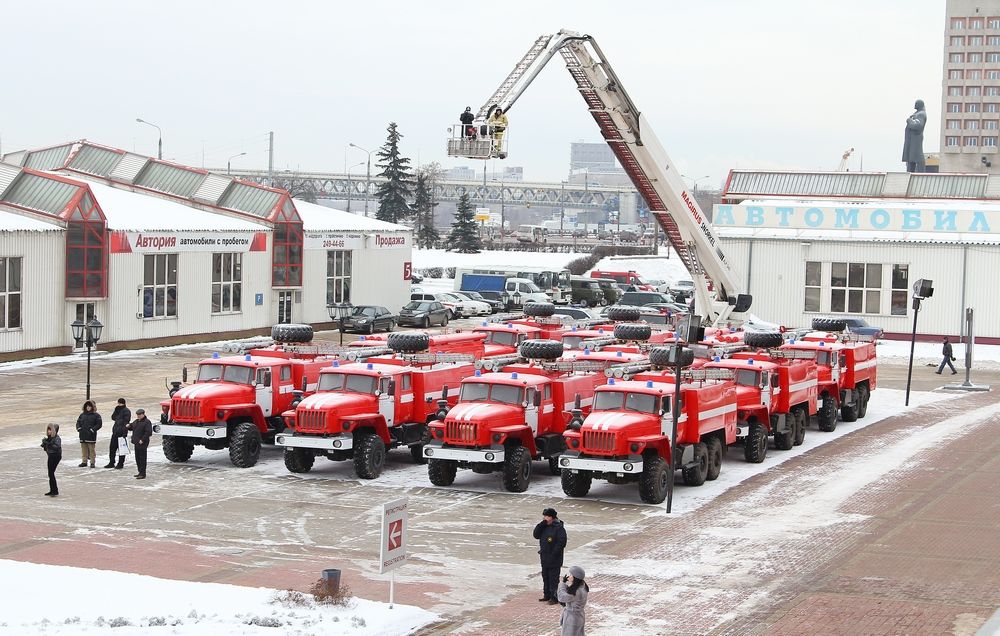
[[52, 444], [119, 431], [87, 424], [551, 535], [947, 358], [572, 594], [142, 430]]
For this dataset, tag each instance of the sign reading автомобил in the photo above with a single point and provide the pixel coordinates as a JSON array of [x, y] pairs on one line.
[[868, 217]]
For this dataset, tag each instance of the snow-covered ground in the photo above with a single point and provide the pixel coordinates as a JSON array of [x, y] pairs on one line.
[[48, 599]]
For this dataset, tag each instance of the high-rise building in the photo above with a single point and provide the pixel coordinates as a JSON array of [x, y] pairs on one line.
[[970, 102]]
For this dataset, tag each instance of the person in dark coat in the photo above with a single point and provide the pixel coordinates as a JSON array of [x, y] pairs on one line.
[[468, 130], [572, 594], [947, 359], [87, 424], [119, 430], [52, 444], [551, 537], [913, 141], [142, 430]]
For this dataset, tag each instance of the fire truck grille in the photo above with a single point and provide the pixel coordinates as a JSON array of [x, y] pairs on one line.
[[310, 421], [598, 441], [460, 432], [186, 409]]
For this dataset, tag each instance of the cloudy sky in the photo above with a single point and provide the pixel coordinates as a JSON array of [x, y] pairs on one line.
[[724, 84]]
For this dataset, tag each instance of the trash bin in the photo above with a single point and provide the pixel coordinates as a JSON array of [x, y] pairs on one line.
[[331, 580]]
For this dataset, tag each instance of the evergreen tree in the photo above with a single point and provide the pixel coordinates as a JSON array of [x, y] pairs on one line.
[[423, 205], [464, 236], [395, 190]]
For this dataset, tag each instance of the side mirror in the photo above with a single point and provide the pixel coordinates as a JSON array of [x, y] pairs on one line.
[[184, 374], [444, 392]]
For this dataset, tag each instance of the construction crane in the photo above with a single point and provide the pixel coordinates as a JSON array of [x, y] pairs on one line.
[[843, 160], [654, 175]]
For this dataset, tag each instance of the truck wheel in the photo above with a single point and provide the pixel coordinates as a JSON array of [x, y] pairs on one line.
[[408, 342], [369, 456], [828, 324], [576, 484], [541, 349], [655, 480], [554, 465], [541, 310], [626, 331], [624, 314], [584, 303], [849, 412], [517, 470], [417, 453], [826, 417], [755, 444], [714, 458], [177, 449], [801, 417], [291, 332], [442, 471], [244, 445], [697, 474], [299, 460], [763, 339], [660, 356], [863, 395]]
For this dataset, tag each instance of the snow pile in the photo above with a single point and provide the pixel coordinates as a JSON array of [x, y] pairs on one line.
[[986, 357], [423, 259], [46, 598]]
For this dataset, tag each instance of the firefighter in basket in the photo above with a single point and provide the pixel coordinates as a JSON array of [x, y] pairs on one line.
[[498, 126]]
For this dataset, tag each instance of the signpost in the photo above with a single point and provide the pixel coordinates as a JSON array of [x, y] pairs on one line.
[[392, 543]]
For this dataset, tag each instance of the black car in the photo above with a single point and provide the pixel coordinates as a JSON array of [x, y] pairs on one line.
[[423, 313], [640, 298], [369, 319]]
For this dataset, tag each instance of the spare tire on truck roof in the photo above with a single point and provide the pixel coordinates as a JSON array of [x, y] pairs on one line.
[[829, 324], [541, 349], [408, 342], [763, 339], [292, 333], [624, 313], [660, 357], [541, 310], [627, 331]]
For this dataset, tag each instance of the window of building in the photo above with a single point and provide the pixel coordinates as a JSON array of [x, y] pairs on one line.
[[159, 286], [855, 287], [972, 124], [10, 293], [955, 74], [972, 108], [287, 257], [814, 281], [971, 141], [86, 252], [993, 57], [991, 108], [992, 91], [975, 23], [954, 108], [973, 91], [900, 285], [956, 58], [338, 276], [957, 40], [954, 91], [974, 74], [993, 23], [951, 141], [975, 58], [975, 40], [953, 124], [990, 141], [227, 282], [958, 23], [993, 40]]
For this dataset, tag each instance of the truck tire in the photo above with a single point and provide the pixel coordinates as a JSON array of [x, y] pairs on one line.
[[177, 449], [577, 484], [299, 460], [697, 474], [292, 333], [660, 357], [655, 480], [541, 310], [623, 313], [849, 412], [244, 445], [863, 395], [801, 419], [627, 331], [784, 441], [826, 416], [763, 339], [369, 456], [408, 342], [554, 466], [517, 470], [442, 471], [714, 458], [755, 444], [417, 453], [541, 349], [828, 324]]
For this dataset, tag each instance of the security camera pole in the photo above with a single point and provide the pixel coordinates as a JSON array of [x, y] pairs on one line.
[[922, 289]]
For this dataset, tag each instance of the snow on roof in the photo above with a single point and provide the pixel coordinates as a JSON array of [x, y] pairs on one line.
[[14, 222], [319, 218], [127, 210]]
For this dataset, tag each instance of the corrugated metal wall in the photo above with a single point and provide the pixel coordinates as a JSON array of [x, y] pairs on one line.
[[43, 322]]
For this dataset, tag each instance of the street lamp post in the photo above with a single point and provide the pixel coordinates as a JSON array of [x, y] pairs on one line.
[[696, 180], [89, 334], [368, 174], [350, 186], [337, 313], [159, 143], [230, 160], [562, 205]]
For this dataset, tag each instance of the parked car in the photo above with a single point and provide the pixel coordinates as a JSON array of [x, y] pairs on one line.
[[465, 307], [612, 292], [416, 278], [587, 291], [449, 305], [628, 236], [860, 326], [423, 313], [682, 289], [576, 313], [369, 319], [495, 305], [640, 298], [580, 233]]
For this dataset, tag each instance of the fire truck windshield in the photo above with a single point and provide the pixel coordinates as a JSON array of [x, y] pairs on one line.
[[347, 382], [572, 342], [209, 373], [506, 338], [619, 401], [746, 377], [226, 373], [823, 357], [482, 392]]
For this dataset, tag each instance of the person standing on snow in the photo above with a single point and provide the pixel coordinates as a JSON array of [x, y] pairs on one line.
[[572, 594], [87, 424], [551, 535], [119, 430], [52, 444], [142, 430], [947, 359]]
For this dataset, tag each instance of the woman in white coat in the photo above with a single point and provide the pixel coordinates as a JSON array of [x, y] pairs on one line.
[[572, 594]]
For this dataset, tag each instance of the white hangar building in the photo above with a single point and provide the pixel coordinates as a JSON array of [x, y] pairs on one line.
[[163, 253], [853, 244]]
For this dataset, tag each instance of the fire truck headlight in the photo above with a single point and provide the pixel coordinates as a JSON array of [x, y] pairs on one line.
[[428, 451], [634, 448], [489, 457], [564, 461], [210, 432], [156, 428], [337, 443], [496, 437], [627, 466], [281, 439]]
